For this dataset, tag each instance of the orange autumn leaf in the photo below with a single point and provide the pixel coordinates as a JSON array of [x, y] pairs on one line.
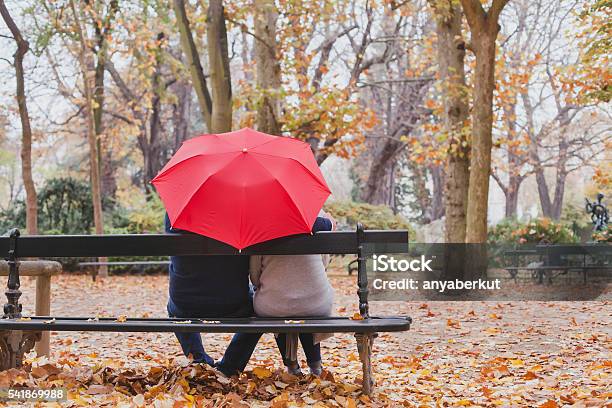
[[549, 404], [452, 323]]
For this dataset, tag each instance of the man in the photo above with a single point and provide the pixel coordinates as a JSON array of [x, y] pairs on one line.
[[215, 286]]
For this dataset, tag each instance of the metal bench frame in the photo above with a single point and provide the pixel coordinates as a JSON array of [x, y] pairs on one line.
[[551, 257], [18, 335]]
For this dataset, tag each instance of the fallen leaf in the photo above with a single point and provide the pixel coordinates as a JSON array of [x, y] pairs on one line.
[[100, 389], [453, 323], [262, 372]]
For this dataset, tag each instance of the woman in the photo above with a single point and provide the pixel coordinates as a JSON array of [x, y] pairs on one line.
[[294, 286]]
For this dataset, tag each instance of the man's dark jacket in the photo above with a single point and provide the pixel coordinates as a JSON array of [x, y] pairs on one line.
[[214, 285]]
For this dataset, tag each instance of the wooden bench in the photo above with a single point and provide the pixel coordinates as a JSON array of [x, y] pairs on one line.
[[562, 258], [19, 335]]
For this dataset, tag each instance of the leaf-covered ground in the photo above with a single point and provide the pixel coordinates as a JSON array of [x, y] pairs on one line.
[[456, 354]]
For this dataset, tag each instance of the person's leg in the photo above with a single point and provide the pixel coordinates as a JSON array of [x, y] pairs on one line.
[[238, 353], [293, 367], [312, 351], [191, 343]]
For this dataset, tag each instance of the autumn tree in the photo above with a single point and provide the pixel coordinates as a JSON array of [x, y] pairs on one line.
[[595, 29], [216, 104], [26, 131], [396, 86], [268, 67], [315, 104], [451, 69], [101, 17], [484, 27], [547, 124], [86, 66], [148, 91]]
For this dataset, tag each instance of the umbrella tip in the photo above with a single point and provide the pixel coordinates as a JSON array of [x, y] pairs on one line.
[[244, 150]]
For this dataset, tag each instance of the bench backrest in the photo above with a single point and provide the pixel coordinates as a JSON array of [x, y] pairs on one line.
[[359, 242], [332, 242]]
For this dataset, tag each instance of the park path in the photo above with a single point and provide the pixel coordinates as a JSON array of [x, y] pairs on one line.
[[456, 354]]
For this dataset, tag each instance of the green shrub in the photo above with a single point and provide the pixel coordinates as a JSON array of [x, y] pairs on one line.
[[64, 207], [148, 218], [602, 236], [349, 213], [532, 232], [578, 220]]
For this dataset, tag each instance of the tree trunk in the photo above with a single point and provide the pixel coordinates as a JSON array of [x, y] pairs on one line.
[[557, 204], [538, 170], [482, 142], [26, 131], [218, 60], [451, 55], [437, 195], [422, 196], [195, 66], [551, 209], [377, 188], [153, 161], [511, 195], [86, 65], [108, 182], [484, 28], [268, 68], [181, 113], [514, 163]]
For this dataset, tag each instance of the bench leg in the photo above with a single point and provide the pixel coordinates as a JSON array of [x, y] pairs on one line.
[[364, 347], [13, 345], [43, 308]]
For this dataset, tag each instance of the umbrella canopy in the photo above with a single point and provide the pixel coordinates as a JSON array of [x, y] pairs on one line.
[[242, 187]]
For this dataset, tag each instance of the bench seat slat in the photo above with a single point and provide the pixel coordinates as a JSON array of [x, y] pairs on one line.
[[245, 325]]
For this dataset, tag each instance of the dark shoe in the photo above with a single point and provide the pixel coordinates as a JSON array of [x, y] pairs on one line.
[[316, 369], [227, 373], [294, 369]]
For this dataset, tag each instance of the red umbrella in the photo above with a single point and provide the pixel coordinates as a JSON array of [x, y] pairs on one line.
[[242, 187]]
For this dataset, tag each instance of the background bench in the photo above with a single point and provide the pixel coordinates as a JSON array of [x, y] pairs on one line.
[[17, 335], [564, 258]]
